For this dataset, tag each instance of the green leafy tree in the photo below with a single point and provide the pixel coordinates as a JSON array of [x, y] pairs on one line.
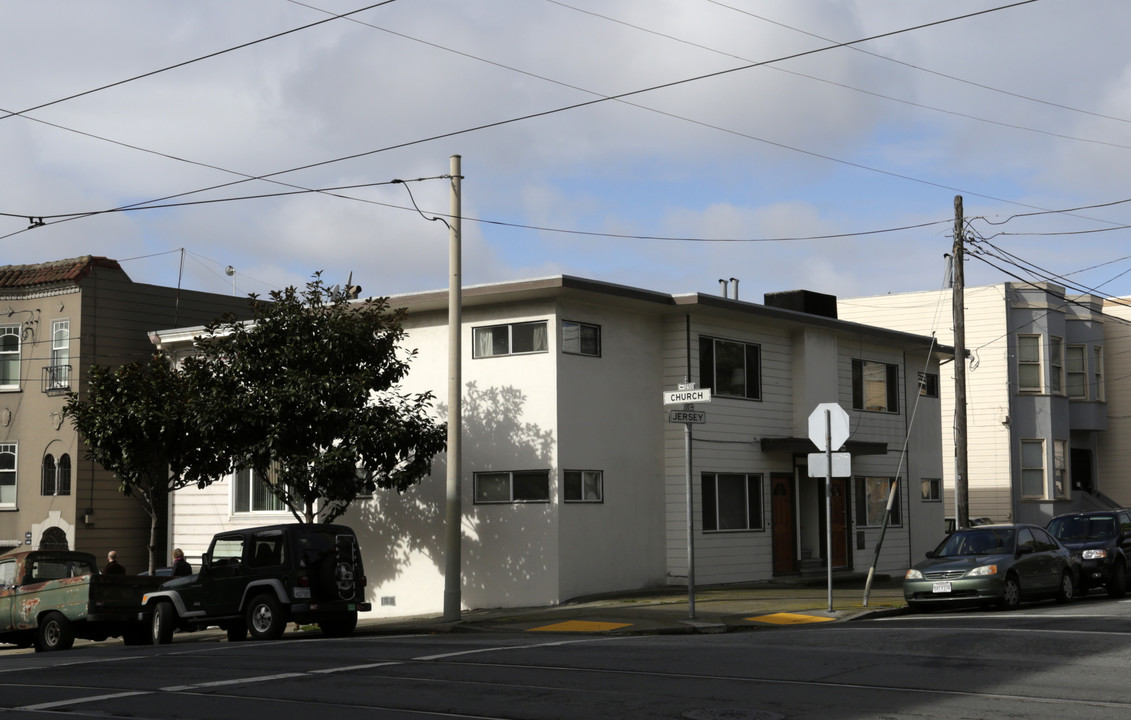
[[306, 395], [139, 422]]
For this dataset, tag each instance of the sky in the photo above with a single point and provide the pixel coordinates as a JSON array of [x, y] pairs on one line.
[[661, 144]]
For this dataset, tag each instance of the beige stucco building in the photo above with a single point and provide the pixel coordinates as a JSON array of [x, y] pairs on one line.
[[573, 479], [57, 319]]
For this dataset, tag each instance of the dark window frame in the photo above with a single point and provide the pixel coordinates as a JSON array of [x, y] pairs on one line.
[[709, 348], [891, 386], [580, 349], [754, 507], [518, 484]]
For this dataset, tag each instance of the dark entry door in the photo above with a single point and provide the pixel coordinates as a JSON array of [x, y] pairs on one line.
[[838, 507], [785, 535]]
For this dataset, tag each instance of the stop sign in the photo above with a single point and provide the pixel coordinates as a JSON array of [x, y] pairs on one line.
[[837, 426]]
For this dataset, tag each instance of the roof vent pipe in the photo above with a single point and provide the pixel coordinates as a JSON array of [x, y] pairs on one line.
[[735, 281], [722, 287]]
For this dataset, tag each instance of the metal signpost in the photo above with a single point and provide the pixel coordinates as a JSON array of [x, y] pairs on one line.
[[828, 429], [686, 395]]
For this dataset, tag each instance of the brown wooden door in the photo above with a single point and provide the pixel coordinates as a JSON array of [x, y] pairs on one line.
[[785, 536], [838, 507]]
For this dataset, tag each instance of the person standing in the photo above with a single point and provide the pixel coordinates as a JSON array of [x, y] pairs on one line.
[[180, 565], [113, 567]]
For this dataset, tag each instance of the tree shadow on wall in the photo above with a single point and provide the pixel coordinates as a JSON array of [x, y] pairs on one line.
[[503, 545]]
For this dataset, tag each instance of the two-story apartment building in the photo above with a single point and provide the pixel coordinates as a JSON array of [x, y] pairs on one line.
[[57, 320], [1036, 399], [574, 482]]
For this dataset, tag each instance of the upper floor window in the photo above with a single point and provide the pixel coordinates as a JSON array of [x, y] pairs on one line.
[[732, 501], [931, 489], [928, 384], [581, 338], [9, 356], [875, 386], [1033, 468], [1076, 371], [1056, 364], [1029, 363], [56, 475], [251, 493], [510, 339], [7, 474], [512, 487], [60, 369], [1060, 468], [730, 368], [872, 502], [1098, 371], [583, 486]]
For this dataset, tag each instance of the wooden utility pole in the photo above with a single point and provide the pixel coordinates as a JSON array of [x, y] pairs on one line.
[[961, 486]]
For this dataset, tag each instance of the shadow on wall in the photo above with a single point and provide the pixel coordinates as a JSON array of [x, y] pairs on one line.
[[508, 548]]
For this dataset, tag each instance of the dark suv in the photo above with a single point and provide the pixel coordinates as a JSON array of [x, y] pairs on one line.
[[259, 579], [1101, 541]]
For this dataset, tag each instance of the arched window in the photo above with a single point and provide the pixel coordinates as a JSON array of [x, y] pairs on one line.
[[63, 475], [48, 486], [54, 538]]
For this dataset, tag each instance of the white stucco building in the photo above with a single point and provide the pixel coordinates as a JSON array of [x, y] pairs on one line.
[[574, 482]]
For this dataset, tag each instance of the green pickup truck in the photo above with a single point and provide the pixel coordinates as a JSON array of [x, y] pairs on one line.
[[50, 597], [257, 580]]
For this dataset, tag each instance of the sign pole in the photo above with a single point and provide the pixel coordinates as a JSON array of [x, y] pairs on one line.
[[690, 524], [829, 502]]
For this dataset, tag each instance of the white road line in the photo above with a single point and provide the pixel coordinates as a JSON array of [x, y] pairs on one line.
[[444, 656], [233, 681], [94, 698]]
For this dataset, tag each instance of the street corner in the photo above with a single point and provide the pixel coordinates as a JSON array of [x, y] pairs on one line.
[[793, 618]]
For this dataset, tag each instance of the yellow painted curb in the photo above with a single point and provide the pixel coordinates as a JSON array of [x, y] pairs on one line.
[[789, 619], [579, 626]]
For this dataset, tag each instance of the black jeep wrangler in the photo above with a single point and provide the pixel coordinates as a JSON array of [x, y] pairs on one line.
[[258, 579]]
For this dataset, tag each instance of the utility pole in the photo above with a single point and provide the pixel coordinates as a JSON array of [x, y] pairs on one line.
[[453, 517], [961, 486]]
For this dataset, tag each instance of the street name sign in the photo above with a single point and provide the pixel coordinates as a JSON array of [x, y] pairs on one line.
[[687, 416], [683, 397]]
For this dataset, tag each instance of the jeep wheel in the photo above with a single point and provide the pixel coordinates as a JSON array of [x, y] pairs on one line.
[[265, 619], [164, 623], [54, 633], [338, 625]]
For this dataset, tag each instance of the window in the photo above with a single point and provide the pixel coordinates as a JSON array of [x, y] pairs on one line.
[[251, 493], [729, 368], [512, 487], [875, 386], [1076, 371], [267, 549], [10, 356], [931, 489], [584, 486], [509, 339], [1033, 468], [1056, 363], [7, 573], [7, 475], [226, 551], [1029, 363], [872, 502], [928, 384], [1098, 372], [732, 501], [1059, 470], [56, 475], [581, 338], [59, 374]]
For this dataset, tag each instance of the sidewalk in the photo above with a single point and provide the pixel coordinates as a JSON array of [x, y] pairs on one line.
[[718, 608]]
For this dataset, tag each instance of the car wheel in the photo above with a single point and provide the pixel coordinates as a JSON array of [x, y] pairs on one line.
[[1117, 585], [163, 624], [1010, 593], [54, 633], [265, 620], [341, 625], [1067, 588]]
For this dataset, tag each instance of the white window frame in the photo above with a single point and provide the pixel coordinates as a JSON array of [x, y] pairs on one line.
[[1076, 371], [7, 356], [60, 376], [1024, 362], [10, 473], [485, 338], [574, 338], [589, 486], [754, 519], [1031, 472], [264, 498], [504, 480]]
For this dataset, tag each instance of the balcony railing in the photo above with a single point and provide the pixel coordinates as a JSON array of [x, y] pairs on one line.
[[56, 379]]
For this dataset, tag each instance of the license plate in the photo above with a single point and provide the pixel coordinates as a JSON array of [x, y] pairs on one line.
[[940, 587], [302, 593]]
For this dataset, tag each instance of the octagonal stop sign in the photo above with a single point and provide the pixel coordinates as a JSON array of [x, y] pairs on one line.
[[837, 426]]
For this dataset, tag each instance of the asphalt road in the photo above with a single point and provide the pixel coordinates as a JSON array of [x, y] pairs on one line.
[[1044, 661]]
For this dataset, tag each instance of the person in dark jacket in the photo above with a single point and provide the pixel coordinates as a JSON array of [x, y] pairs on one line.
[[180, 565], [113, 567]]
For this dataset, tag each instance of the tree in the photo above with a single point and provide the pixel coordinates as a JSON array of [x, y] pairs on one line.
[[139, 422], [306, 396]]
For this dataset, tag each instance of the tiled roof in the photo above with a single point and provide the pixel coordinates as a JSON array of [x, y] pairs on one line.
[[52, 273]]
